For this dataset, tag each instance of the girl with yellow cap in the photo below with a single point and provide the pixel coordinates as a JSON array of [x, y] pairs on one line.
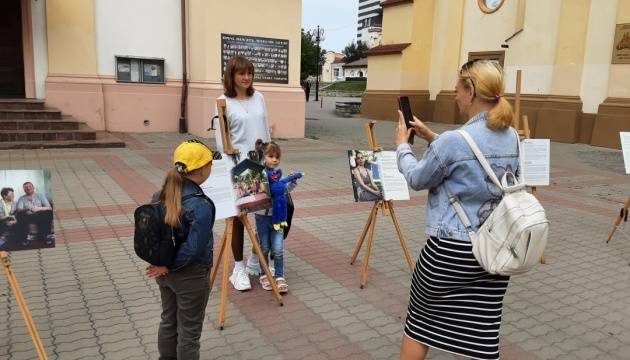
[[184, 287]]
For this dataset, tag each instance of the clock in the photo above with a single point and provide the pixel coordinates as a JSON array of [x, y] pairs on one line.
[[490, 6]]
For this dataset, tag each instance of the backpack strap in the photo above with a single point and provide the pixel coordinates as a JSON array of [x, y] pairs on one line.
[[482, 159]]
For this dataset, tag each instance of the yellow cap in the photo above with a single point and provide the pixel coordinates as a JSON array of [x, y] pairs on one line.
[[191, 155]]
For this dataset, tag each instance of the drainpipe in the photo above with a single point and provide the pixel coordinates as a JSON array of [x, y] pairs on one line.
[[183, 123]]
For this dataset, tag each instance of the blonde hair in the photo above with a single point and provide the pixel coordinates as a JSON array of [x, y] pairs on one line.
[[171, 195], [486, 79]]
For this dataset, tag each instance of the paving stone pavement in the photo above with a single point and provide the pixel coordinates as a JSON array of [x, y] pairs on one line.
[[90, 300]]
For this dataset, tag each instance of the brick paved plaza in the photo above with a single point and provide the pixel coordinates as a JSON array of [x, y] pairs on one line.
[[90, 300]]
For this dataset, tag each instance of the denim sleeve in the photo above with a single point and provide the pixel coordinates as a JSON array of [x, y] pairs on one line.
[[424, 174], [199, 234]]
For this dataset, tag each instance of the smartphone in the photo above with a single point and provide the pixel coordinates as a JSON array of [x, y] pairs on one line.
[[403, 105]]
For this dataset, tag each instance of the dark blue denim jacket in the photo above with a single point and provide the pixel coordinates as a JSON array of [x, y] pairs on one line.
[[197, 220], [449, 162]]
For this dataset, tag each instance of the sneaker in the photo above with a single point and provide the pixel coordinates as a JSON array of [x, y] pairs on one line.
[[240, 280], [253, 265]]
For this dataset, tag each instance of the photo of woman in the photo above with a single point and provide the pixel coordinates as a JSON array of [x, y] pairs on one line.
[[366, 183]]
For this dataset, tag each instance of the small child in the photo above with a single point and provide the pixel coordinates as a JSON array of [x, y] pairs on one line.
[[270, 238]]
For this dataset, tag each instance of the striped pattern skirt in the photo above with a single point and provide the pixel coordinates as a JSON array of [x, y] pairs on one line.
[[455, 305]]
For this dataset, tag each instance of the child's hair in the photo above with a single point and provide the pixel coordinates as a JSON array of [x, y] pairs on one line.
[[171, 197], [268, 148]]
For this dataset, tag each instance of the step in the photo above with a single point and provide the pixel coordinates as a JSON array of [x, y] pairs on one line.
[[103, 140], [39, 125], [83, 133], [44, 114], [21, 104]]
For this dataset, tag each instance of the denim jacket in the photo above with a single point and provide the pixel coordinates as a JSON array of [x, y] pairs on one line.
[[197, 220], [449, 165]]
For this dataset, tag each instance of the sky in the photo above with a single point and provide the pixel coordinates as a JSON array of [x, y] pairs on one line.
[[337, 17]]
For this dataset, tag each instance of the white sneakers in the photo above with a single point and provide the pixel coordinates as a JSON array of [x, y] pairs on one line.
[[253, 265], [240, 280], [240, 277]]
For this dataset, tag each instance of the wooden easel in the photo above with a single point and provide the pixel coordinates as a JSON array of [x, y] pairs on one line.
[[623, 216], [226, 244], [387, 207], [26, 313], [523, 133]]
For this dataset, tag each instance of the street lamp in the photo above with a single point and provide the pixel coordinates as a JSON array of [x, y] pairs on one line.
[[317, 37]]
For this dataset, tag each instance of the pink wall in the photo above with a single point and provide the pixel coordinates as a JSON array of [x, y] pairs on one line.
[[78, 96], [104, 104]]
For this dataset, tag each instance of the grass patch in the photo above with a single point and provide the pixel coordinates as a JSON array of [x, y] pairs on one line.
[[347, 86]]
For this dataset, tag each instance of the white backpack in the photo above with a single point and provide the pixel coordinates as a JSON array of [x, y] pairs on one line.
[[512, 239]]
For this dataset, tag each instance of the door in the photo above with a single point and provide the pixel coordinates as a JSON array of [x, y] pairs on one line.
[[11, 56]]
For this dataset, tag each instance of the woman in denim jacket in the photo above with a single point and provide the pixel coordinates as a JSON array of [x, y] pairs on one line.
[[184, 287], [455, 305]]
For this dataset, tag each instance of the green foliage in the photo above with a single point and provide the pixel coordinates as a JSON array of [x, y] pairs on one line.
[[355, 52], [347, 86], [308, 60]]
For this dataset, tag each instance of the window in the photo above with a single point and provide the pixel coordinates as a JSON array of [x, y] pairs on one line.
[[336, 72], [140, 70]]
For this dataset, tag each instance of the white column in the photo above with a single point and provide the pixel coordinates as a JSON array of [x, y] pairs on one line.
[[598, 54], [40, 46]]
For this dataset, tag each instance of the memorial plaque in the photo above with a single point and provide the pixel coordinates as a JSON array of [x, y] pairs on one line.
[[621, 46], [269, 56]]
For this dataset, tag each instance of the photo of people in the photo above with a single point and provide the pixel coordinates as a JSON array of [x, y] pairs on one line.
[[365, 177], [251, 187], [26, 214]]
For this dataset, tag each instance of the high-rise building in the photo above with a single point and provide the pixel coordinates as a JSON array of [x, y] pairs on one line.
[[370, 17]]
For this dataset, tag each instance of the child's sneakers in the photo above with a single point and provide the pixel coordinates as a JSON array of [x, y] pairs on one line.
[[253, 265]]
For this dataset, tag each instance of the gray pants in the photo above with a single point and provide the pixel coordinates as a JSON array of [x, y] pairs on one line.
[[184, 299]]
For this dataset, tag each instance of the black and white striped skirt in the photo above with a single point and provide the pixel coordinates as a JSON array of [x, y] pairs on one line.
[[455, 305]]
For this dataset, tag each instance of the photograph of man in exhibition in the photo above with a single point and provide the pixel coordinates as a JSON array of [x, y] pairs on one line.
[[26, 215], [364, 173]]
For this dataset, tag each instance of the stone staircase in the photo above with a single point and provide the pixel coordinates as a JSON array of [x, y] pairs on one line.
[[28, 124]]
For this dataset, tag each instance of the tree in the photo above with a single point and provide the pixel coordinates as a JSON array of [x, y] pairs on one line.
[[308, 61], [355, 52]]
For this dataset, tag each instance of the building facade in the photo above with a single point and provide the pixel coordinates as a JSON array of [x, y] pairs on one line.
[[328, 73], [119, 65], [370, 16], [356, 69], [573, 87]]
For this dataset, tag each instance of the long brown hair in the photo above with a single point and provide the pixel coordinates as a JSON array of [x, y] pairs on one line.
[[486, 80], [233, 66], [171, 197]]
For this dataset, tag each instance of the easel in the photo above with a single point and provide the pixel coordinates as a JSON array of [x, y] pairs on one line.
[[387, 207], [226, 243], [524, 133], [623, 215], [26, 313]]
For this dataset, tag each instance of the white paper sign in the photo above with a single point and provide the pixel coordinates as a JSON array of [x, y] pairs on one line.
[[536, 161], [394, 183], [218, 187], [625, 147]]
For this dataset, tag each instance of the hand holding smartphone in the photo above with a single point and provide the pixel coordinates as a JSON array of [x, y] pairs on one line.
[[405, 107]]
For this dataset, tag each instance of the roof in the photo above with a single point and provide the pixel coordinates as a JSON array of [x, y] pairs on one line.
[[358, 63]]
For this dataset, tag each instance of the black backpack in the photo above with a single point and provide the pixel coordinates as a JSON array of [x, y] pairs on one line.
[[154, 241]]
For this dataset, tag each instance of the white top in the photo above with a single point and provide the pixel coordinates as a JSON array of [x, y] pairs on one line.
[[248, 122]]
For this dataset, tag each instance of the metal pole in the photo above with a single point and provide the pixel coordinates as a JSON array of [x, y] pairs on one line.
[[317, 37]]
